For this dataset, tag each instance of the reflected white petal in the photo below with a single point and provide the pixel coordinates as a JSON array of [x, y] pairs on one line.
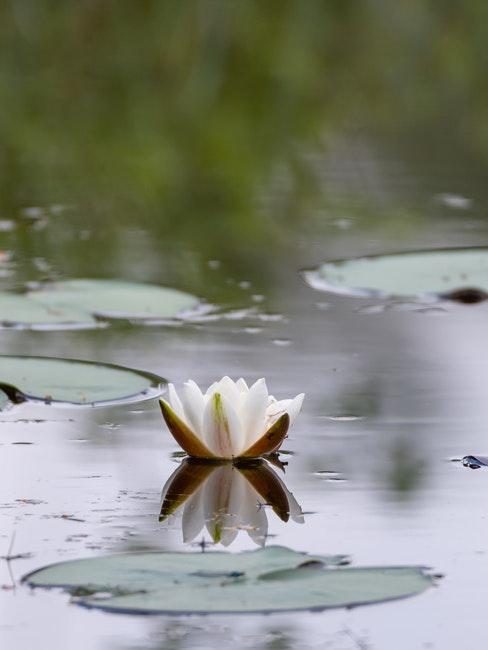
[[193, 520], [295, 509], [253, 516], [221, 502]]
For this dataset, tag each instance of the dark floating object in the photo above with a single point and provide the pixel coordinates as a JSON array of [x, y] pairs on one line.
[[475, 462], [274, 579], [51, 380], [457, 274], [467, 296]]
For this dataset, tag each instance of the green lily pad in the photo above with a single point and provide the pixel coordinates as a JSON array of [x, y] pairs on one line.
[[458, 274], [77, 382], [115, 299], [267, 580], [20, 312]]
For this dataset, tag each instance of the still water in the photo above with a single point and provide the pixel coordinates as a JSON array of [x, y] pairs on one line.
[[192, 147], [392, 397]]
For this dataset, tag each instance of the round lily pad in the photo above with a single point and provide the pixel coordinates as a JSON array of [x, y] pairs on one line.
[[457, 274], [115, 299], [267, 580], [18, 311], [76, 382]]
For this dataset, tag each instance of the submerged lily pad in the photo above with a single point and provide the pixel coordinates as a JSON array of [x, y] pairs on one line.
[[115, 299], [457, 274], [267, 580], [77, 382]]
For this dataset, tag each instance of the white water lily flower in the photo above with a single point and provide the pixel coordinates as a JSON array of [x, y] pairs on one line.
[[230, 420]]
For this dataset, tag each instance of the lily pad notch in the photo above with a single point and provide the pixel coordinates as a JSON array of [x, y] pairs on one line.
[[456, 274], [73, 382], [273, 579]]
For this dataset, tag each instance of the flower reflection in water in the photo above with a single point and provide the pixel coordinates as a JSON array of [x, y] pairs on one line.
[[227, 497]]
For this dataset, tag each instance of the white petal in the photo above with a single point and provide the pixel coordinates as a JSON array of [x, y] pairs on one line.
[[175, 403], [290, 406], [222, 429], [194, 405], [254, 410], [294, 407], [242, 385], [229, 390]]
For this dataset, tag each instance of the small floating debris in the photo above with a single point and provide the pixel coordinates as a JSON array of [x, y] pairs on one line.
[[322, 306], [329, 475], [7, 225], [475, 462], [282, 343], [456, 274], [455, 201], [251, 330]]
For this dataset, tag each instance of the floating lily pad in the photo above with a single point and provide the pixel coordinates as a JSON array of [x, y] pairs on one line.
[[267, 580], [115, 299], [77, 382], [20, 312], [457, 274]]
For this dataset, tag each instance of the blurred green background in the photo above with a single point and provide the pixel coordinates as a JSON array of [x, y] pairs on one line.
[[229, 128]]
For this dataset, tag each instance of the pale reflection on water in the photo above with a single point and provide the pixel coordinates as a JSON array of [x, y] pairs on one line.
[[225, 498]]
